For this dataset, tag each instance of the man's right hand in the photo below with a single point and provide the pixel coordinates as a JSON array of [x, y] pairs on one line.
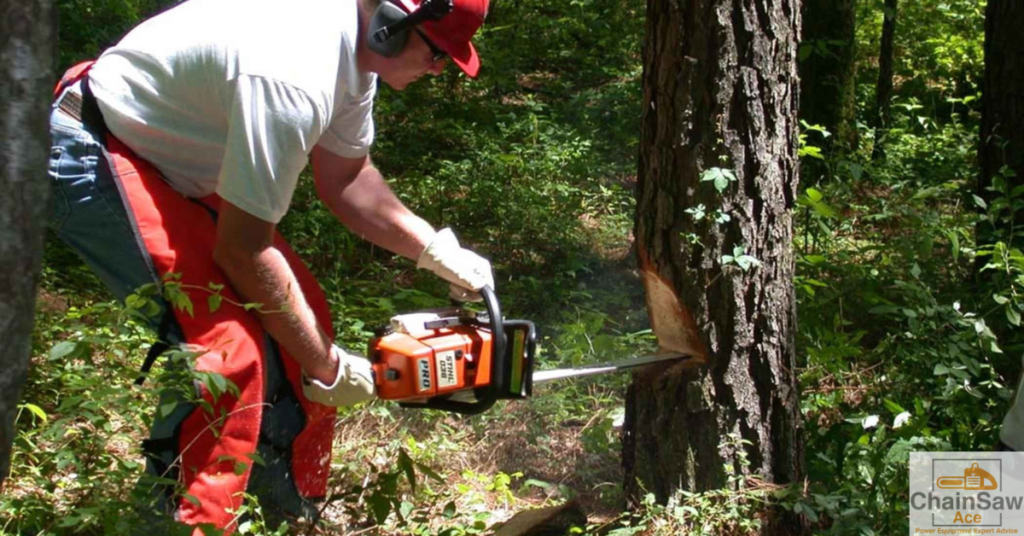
[[352, 384], [465, 270]]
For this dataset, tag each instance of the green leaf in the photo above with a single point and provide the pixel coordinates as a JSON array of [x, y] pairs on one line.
[[746, 262], [62, 350], [884, 309], [940, 370], [892, 406], [36, 410], [257, 459], [425, 469], [213, 302], [165, 409], [193, 499], [856, 171], [219, 382], [698, 212], [449, 510], [719, 176], [804, 51], [241, 468], [244, 527], [380, 505], [814, 195], [812, 516], [406, 465], [1013, 316], [980, 202], [405, 509]]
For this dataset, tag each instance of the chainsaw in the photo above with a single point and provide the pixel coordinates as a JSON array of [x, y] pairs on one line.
[[460, 361]]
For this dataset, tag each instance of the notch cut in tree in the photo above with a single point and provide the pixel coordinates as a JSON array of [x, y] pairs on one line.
[[717, 183]]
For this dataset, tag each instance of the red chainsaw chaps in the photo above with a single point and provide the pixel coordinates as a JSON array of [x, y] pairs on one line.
[[179, 235]]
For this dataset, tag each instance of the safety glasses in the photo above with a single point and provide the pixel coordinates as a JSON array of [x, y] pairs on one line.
[[437, 53]]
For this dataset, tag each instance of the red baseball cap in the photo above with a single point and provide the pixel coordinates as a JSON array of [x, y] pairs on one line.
[[453, 32]]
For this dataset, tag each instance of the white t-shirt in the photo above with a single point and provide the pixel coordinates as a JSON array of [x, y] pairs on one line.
[[230, 96]]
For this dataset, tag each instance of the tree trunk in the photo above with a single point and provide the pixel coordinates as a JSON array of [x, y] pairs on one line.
[[26, 53], [1002, 116], [720, 99], [828, 73], [881, 116]]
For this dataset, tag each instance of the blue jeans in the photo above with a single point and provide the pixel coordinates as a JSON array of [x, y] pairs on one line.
[[89, 215]]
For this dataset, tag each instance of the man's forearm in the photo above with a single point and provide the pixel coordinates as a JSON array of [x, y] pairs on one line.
[[369, 208], [265, 277]]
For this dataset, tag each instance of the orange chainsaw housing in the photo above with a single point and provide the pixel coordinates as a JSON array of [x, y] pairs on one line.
[[418, 366], [454, 360]]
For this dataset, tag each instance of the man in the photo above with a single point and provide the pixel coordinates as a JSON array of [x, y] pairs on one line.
[[179, 151]]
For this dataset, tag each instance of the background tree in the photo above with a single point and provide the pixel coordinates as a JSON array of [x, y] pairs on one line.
[[828, 72], [1001, 151], [26, 53], [881, 114], [716, 183]]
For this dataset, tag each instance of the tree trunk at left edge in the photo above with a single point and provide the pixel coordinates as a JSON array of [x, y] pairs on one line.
[[719, 136], [27, 42]]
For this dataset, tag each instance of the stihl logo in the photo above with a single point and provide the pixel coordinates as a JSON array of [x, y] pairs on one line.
[[446, 370], [424, 371]]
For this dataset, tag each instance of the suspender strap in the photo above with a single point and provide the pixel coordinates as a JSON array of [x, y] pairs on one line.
[[158, 348]]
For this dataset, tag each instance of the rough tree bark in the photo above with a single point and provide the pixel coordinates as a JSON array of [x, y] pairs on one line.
[[720, 92], [1002, 116], [27, 43], [828, 75], [881, 115]]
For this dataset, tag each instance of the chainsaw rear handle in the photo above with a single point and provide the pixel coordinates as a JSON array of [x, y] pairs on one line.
[[486, 396]]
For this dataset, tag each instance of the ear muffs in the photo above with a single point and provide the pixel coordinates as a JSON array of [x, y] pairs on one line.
[[387, 14]]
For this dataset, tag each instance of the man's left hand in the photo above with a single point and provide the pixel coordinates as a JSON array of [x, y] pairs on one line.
[[466, 271]]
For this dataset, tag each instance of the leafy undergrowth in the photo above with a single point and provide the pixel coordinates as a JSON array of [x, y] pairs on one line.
[[78, 469]]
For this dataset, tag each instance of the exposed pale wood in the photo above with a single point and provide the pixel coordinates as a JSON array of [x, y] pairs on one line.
[[671, 323]]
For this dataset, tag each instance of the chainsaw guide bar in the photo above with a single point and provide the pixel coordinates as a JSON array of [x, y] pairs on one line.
[[544, 376]]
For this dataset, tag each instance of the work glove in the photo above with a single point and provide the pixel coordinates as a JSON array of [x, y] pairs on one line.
[[466, 271], [353, 384]]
